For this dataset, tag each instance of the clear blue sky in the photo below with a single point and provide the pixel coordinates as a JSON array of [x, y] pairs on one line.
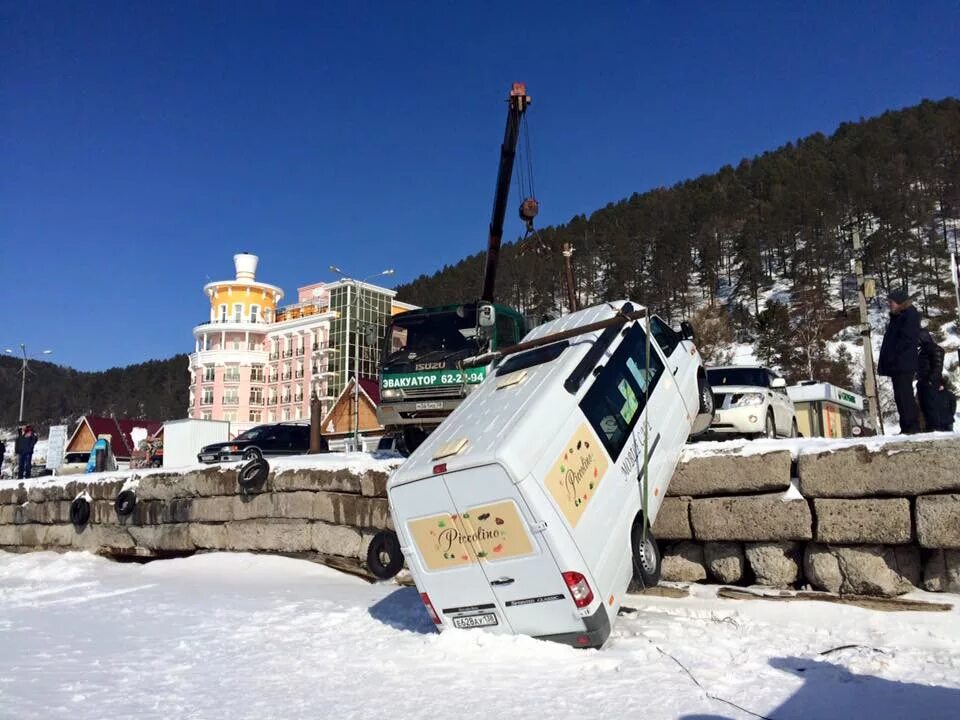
[[143, 143]]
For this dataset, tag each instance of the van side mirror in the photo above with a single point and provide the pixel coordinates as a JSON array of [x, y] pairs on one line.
[[778, 383], [686, 330]]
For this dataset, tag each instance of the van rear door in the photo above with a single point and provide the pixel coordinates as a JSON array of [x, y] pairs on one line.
[[445, 566], [512, 552]]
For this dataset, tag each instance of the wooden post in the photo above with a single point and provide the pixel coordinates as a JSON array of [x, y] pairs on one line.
[[316, 431]]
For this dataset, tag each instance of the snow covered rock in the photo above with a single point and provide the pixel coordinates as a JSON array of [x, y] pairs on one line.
[[673, 520], [730, 474], [941, 572], [683, 562], [863, 521], [900, 469], [757, 518], [938, 520], [725, 561], [775, 564], [863, 569]]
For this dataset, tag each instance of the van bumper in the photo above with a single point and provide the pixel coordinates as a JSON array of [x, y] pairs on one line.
[[595, 633]]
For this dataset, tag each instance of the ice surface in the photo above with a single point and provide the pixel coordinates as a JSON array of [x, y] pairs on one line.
[[243, 636]]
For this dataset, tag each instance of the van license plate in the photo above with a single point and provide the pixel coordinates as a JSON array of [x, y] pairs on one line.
[[475, 621]]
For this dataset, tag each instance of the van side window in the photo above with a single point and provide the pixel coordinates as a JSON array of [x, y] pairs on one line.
[[506, 330], [667, 338], [616, 400]]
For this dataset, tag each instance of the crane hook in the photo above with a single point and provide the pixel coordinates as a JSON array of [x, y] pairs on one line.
[[528, 211]]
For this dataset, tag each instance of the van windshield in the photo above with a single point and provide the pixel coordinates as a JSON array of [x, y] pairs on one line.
[[738, 376]]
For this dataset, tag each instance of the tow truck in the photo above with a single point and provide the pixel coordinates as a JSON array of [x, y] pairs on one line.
[[422, 378]]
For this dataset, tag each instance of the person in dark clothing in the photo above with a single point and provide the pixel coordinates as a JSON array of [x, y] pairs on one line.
[[946, 404], [25, 445], [899, 357], [3, 450], [929, 374]]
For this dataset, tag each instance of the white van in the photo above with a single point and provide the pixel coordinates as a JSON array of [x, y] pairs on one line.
[[523, 511]]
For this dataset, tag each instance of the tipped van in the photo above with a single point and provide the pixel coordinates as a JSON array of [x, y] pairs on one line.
[[527, 511]]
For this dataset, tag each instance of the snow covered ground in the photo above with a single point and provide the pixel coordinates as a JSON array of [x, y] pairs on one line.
[[243, 636]]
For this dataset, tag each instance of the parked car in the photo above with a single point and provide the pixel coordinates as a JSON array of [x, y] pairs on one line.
[[751, 400], [267, 440], [74, 463], [528, 510]]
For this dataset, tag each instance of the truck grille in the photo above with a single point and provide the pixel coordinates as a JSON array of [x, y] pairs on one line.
[[433, 392]]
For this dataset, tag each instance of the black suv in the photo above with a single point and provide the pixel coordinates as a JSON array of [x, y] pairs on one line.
[[269, 440]]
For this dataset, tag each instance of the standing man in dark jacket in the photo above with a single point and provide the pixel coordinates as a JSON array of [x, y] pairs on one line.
[[898, 357], [929, 380], [25, 444]]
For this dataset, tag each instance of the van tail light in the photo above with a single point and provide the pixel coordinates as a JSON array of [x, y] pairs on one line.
[[429, 606], [579, 588]]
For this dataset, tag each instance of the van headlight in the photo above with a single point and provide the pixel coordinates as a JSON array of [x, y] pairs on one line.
[[391, 394], [748, 399]]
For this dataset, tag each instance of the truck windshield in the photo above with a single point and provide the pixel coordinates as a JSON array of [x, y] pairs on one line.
[[446, 332], [738, 376]]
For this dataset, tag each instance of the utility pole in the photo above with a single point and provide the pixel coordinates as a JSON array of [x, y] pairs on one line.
[[23, 376], [955, 275], [870, 380], [567, 251]]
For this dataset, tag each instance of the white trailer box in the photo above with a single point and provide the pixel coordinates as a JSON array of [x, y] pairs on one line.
[[523, 512], [183, 439]]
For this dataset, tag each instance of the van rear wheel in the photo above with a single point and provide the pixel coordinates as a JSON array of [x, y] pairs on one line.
[[646, 556]]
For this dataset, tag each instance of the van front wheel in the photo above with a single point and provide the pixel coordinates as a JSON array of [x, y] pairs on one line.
[[646, 556]]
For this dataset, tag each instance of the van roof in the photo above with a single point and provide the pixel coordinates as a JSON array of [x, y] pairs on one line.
[[512, 425]]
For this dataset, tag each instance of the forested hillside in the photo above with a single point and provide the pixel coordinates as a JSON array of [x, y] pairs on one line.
[[156, 389], [775, 227]]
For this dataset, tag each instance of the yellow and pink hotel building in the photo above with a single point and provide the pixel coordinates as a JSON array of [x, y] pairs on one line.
[[256, 360]]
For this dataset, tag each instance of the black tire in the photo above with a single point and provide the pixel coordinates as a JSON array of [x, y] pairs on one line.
[[253, 474], [646, 556], [79, 512], [125, 503], [251, 453], [384, 558], [771, 427], [706, 397]]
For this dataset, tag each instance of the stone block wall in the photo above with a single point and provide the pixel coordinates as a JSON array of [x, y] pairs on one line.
[[876, 518], [328, 515]]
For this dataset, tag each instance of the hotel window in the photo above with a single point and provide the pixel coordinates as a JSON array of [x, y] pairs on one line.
[[230, 416], [207, 396], [209, 373], [232, 374], [255, 416], [206, 415], [266, 314], [223, 313], [231, 397], [254, 311], [238, 313]]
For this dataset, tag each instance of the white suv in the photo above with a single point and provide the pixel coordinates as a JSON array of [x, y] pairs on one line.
[[751, 401]]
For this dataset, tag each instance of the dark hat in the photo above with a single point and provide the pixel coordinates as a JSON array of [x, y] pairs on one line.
[[899, 296]]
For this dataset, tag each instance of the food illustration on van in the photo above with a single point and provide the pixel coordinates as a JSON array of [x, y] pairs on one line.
[[488, 533], [577, 473]]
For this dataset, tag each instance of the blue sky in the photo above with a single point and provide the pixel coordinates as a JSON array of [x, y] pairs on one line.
[[142, 144]]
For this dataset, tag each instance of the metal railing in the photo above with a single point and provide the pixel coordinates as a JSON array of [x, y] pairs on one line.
[[231, 401], [256, 400]]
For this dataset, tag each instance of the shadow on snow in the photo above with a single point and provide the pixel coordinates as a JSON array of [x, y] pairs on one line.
[[403, 610]]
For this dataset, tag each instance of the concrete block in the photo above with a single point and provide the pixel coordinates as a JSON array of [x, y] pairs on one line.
[[374, 484], [673, 520], [775, 564], [13, 495], [162, 538], [863, 521], [725, 561], [341, 481], [898, 469], [213, 481], [756, 518], [39, 536], [683, 562], [218, 509], [863, 569], [938, 520], [941, 571], [269, 534], [337, 540], [163, 486], [208, 536], [353, 510], [732, 474], [102, 538]]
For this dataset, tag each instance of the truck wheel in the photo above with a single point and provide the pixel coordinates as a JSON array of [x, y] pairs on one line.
[[771, 428], [384, 558], [646, 556], [706, 397]]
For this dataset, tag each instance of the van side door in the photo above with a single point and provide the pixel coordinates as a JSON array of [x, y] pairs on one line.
[[678, 354]]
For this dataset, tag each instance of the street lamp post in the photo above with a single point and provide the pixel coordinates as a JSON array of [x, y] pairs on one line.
[[355, 303], [23, 376]]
